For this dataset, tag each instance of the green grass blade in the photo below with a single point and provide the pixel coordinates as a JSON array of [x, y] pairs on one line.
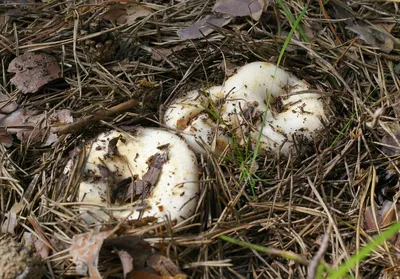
[[271, 251], [290, 35], [290, 16], [364, 252], [286, 43]]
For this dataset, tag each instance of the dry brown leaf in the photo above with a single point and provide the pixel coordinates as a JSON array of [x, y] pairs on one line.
[[33, 70], [391, 145], [253, 8], [203, 27], [128, 13], [85, 251], [150, 178], [127, 262], [229, 68], [164, 266], [374, 36], [42, 250], [139, 249], [143, 274], [11, 218], [388, 27], [369, 222], [7, 104], [388, 214], [5, 138], [159, 54], [9, 223], [30, 125]]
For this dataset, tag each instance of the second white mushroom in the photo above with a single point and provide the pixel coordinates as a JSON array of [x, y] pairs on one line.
[[259, 98]]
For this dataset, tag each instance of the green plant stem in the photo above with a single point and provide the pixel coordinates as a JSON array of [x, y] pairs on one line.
[[364, 252], [268, 250]]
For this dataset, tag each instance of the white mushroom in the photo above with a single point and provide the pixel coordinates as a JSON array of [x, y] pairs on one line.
[[187, 114], [154, 158], [261, 90]]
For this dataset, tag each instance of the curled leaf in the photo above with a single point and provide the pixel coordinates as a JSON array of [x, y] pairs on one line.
[[85, 251], [127, 262]]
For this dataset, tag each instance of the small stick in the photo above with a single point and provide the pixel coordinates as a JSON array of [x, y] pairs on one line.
[[313, 265], [84, 122]]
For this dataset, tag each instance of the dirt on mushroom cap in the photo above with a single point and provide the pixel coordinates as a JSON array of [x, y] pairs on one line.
[[176, 189]]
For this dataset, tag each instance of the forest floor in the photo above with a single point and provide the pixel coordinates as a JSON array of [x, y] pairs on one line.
[[322, 206]]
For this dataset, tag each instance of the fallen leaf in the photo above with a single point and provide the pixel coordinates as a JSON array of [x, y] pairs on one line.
[[374, 36], [390, 144], [112, 146], [388, 213], [229, 68], [31, 125], [253, 8], [126, 260], [164, 266], [203, 27], [128, 13], [33, 70], [369, 223], [10, 223], [7, 104], [5, 138], [42, 250], [388, 27], [139, 249], [144, 274], [159, 54], [85, 251], [150, 178]]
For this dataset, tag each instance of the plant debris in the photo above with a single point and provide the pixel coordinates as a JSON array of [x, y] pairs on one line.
[[241, 7], [127, 13], [150, 178], [391, 143], [85, 249], [133, 252], [33, 70], [30, 125], [203, 27], [374, 36]]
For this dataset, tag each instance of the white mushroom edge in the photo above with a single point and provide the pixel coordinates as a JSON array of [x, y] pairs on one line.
[[265, 89], [175, 193]]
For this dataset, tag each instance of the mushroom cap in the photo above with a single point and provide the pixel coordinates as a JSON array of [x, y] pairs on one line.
[[187, 114], [18, 261], [184, 108], [176, 188], [266, 86]]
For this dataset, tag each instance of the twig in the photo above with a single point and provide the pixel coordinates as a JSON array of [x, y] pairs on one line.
[[83, 122], [312, 267]]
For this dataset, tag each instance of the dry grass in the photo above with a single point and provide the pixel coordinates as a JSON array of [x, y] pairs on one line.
[[293, 200]]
